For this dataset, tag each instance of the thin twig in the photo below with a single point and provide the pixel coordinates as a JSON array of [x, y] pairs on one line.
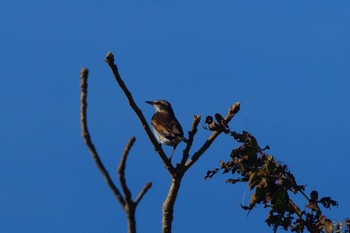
[[231, 113], [121, 171], [110, 61], [143, 192], [304, 194], [130, 206], [87, 138], [191, 134]]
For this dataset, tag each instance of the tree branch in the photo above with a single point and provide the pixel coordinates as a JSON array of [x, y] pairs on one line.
[[231, 113], [130, 206], [87, 138], [157, 147], [191, 134], [169, 203], [121, 171], [181, 169], [143, 192], [126, 202]]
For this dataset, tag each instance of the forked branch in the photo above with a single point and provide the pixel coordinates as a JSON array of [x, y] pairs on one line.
[[182, 168], [191, 134], [87, 138], [125, 200], [230, 114]]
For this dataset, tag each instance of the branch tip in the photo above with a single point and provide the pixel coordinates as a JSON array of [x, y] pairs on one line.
[[235, 108], [109, 58], [144, 190], [196, 118], [84, 72], [122, 163]]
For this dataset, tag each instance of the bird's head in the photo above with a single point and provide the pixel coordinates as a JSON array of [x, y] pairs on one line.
[[161, 106]]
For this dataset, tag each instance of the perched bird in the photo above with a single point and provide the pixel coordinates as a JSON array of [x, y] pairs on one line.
[[165, 125]]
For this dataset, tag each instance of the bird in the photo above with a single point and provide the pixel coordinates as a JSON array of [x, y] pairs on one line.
[[165, 126]]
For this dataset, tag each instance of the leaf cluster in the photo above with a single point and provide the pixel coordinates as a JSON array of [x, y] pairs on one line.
[[272, 185]]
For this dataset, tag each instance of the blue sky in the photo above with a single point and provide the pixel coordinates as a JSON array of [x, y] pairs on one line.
[[287, 62]]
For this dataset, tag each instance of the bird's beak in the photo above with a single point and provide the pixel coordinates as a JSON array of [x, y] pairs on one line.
[[149, 102]]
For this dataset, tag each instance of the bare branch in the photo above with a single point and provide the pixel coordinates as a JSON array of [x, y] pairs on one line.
[[196, 120], [168, 205], [231, 113], [130, 206], [157, 147], [121, 171], [143, 192], [87, 138]]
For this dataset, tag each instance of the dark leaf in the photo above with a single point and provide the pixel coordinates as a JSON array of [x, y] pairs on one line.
[[245, 207], [327, 202], [314, 196], [233, 181], [211, 173], [209, 120], [211, 124]]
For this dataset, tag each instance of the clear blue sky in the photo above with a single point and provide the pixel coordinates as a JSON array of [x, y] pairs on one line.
[[287, 62]]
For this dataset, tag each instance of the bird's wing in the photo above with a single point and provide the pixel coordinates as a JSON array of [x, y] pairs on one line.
[[169, 127], [176, 128], [162, 124]]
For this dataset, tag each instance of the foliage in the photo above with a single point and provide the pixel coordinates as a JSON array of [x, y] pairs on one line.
[[271, 183]]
